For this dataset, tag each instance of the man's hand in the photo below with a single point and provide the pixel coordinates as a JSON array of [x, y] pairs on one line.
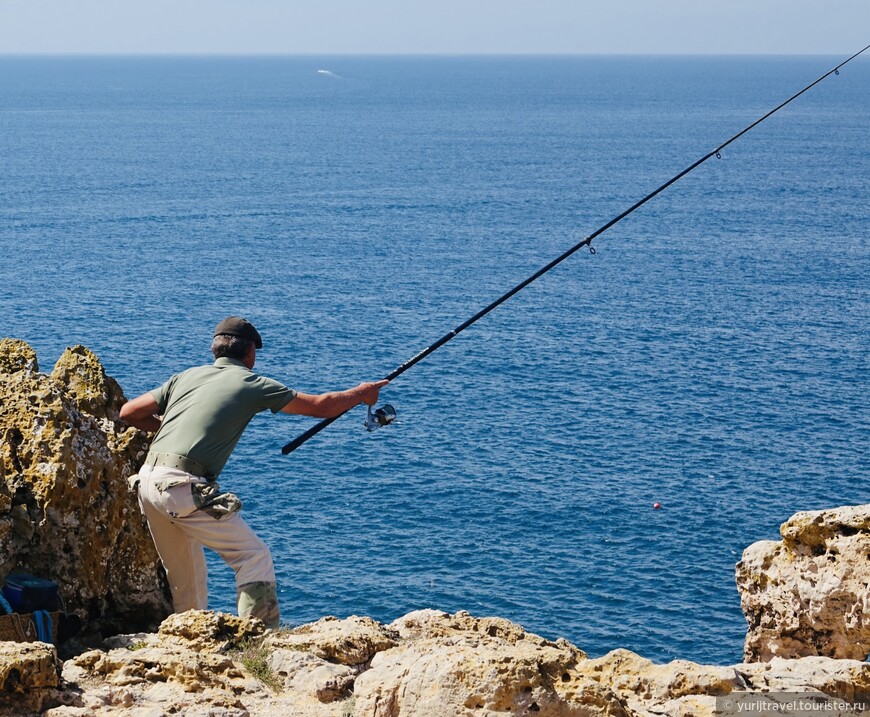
[[370, 391], [141, 412], [327, 405]]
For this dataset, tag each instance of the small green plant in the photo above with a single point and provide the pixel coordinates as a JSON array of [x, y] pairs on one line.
[[348, 707], [255, 659], [141, 645]]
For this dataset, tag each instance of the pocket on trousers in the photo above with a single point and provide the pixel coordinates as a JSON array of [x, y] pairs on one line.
[[177, 501]]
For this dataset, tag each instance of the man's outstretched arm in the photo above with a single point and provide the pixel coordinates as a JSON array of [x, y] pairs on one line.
[[141, 412], [333, 403]]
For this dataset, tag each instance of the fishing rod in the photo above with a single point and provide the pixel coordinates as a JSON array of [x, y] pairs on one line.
[[387, 413]]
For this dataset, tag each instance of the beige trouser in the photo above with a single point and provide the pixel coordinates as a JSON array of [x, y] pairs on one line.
[[180, 531]]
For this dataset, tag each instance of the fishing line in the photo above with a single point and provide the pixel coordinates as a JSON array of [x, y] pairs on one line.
[[586, 242]]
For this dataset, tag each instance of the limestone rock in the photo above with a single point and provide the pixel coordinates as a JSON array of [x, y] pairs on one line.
[[451, 665], [677, 688], [16, 355], [193, 666], [160, 676], [474, 673], [65, 509], [352, 641], [686, 689], [307, 673], [434, 623], [808, 594], [206, 631], [629, 673], [848, 680], [28, 677], [443, 666], [96, 394]]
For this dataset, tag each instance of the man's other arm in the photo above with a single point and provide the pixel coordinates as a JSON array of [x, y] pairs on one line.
[[333, 403], [141, 412]]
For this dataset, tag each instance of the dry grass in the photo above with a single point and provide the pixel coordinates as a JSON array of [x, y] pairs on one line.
[[255, 659]]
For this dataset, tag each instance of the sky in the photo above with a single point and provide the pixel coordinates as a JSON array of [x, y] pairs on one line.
[[329, 27]]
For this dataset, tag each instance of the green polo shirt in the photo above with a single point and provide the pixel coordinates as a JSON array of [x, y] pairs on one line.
[[206, 409]]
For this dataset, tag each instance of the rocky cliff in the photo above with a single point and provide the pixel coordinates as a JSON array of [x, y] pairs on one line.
[[809, 594], [65, 510], [426, 664]]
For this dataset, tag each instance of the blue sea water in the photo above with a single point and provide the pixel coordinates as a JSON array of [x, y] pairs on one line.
[[711, 356]]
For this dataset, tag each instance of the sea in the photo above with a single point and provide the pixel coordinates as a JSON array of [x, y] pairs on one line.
[[712, 356]]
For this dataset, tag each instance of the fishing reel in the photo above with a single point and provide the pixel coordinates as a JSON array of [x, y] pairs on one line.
[[378, 417]]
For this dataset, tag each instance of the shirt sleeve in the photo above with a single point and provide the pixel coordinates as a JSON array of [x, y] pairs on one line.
[[161, 395], [275, 395]]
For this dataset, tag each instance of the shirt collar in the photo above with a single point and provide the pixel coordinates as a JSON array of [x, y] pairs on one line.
[[225, 361]]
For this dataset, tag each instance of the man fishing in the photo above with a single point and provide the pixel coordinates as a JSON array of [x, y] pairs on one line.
[[198, 416]]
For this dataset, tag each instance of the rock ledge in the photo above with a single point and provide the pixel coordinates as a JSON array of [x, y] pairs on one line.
[[426, 664]]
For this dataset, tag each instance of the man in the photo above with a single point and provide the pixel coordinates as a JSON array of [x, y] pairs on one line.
[[199, 416]]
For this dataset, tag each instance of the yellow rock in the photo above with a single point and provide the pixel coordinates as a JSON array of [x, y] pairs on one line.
[[65, 509], [16, 355], [352, 641], [28, 676], [807, 595]]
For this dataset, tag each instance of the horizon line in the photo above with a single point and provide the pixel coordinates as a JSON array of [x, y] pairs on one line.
[[217, 54]]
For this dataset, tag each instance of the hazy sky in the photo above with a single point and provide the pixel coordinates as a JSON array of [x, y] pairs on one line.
[[436, 26]]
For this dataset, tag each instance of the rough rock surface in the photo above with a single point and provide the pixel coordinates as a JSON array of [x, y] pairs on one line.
[[686, 689], [475, 674], [215, 665], [434, 623], [65, 510], [808, 594], [28, 675], [310, 675], [205, 631], [198, 664], [460, 664], [352, 641]]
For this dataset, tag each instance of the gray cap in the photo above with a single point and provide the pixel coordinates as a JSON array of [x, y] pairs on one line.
[[237, 326]]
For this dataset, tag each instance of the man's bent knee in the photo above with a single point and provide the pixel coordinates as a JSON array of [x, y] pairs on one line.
[[259, 600]]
